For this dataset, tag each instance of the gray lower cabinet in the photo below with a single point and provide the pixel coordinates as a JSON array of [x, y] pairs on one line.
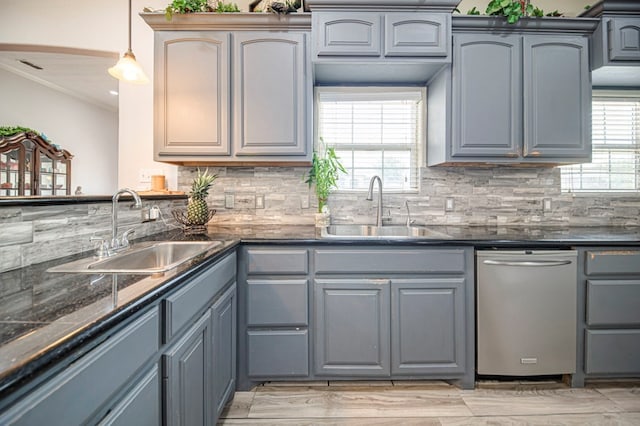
[[141, 406], [186, 375], [514, 97], [224, 317], [173, 363], [355, 312], [230, 95], [427, 326], [609, 318], [352, 319]]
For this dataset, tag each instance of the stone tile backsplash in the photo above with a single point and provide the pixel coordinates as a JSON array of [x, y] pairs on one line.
[[482, 196], [34, 234]]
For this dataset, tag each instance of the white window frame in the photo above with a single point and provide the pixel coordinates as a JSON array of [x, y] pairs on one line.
[[362, 92], [577, 168]]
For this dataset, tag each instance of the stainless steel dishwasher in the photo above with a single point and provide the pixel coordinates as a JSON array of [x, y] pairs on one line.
[[526, 307]]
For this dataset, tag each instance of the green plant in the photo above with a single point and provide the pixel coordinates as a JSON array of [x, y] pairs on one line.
[[324, 173], [473, 11], [192, 6], [513, 10], [12, 130]]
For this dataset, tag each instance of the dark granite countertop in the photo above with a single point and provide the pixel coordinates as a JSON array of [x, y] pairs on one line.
[[46, 317]]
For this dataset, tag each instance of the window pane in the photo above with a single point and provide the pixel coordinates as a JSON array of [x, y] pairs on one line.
[[616, 149], [375, 131]]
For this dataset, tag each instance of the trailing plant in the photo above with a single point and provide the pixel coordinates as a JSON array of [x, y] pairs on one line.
[[192, 6], [473, 11], [324, 173], [12, 130]]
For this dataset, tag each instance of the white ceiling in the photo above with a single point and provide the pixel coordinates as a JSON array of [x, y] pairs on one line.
[[82, 74]]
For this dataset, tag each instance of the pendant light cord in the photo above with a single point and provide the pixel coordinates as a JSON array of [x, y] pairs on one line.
[[130, 26]]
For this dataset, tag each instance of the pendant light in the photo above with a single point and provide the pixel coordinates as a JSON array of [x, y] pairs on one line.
[[127, 68]]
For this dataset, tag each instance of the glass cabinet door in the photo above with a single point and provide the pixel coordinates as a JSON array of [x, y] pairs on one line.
[[46, 175], [10, 172]]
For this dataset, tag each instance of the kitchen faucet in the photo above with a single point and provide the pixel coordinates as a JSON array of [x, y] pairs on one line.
[[370, 197], [124, 241]]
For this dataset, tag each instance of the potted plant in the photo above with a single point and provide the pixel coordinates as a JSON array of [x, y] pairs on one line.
[[323, 175], [513, 10]]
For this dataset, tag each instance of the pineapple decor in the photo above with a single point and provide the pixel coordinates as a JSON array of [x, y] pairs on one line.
[[194, 220], [197, 210]]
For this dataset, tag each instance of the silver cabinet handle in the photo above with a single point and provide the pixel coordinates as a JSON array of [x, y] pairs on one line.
[[527, 262]]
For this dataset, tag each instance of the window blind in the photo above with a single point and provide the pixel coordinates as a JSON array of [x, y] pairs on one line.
[[615, 164], [375, 131]]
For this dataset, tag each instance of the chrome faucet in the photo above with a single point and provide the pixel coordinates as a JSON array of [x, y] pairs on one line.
[[370, 197], [137, 203]]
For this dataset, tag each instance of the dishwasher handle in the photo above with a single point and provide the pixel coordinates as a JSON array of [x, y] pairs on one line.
[[537, 263]]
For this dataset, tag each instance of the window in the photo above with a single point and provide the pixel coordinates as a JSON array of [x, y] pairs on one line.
[[375, 131], [615, 165]]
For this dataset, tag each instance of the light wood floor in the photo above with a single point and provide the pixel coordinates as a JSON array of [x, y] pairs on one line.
[[436, 403]]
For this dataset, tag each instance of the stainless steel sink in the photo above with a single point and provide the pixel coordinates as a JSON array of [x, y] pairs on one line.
[[371, 231], [144, 258]]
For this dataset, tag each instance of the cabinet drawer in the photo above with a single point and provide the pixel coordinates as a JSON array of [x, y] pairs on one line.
[[612, 262], [72, 396], [346, 34], [612, 351], [277, 302], [182, 306], [611, 302], [407, 261], [416, 34], [277, 261], [283, 353]]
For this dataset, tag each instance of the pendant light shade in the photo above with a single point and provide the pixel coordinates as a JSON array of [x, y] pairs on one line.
[[127, 69]]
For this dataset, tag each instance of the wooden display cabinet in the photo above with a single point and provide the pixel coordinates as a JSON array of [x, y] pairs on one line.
[[31, 165]]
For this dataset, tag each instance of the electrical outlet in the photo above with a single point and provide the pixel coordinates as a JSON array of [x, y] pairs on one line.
[[229, 201], [304, 201], [260, 201], [144, 175], [546, 205], [448, 204]]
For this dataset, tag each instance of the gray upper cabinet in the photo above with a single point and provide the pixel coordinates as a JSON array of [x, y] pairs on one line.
[[511, 96], [557, 98], [270, 94], [487, 89], [624, 39], [347, 34], [417, 34], [237, 90], [381, 34], [191, 78], [615, 45]]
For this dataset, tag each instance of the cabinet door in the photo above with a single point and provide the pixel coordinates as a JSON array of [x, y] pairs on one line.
[[187, 377], [191, 93], [141, 406], [624, 39], [487, 104], [347, 34], [557, 96], [271, 82], [427, 326], [352, 327], [224, 348], [416, 34]]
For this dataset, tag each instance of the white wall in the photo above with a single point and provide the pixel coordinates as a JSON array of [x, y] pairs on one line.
[[69, 122]]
